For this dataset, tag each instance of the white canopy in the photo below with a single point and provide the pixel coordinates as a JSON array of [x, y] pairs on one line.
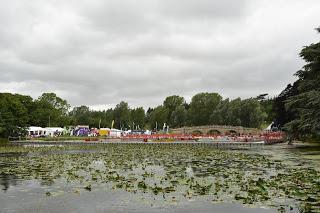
[[269, 127], [35, 128], [54, 129]]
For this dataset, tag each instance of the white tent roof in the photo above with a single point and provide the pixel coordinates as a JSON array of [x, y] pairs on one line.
[[35, 128], [269, 127], [54, 129]]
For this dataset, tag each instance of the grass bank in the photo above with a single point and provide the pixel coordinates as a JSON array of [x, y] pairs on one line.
[[3, 140], [311, 139]]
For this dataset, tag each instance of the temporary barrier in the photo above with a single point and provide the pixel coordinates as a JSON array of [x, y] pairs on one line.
[[268, 137]]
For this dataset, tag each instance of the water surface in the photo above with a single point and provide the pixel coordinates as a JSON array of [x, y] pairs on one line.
[[159, 178]]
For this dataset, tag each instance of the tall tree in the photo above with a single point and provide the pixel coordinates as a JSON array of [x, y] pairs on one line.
[[283, 115], [201, 107], [137, 118], [179, 117], [51, 110], [220, 115], [247, 113], [251, 114], [158, 117], [267, 106], [14, 114], [306, 103], [80, 115], [171, 103], [108, 118], [122, 115]]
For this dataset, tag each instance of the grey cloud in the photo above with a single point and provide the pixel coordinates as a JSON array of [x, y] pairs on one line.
[[98, 52], [204, 9]]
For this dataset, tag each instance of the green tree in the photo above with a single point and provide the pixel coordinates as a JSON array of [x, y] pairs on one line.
[[251, 114], [267, 106], [220, 115], [122, 115], [51, 110], [201, 107], [283, 115], [306, 104], [109, 116], [234, 112], [14, 114], [148, 118], [80, 115], [179, 117], [171, 103], [247, 113], [158, 117], [137, 117]]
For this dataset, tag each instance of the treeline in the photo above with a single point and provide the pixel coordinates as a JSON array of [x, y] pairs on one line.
[[297, 108], [17, 112]]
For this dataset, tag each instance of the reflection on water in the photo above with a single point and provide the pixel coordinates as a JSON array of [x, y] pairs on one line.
[[169, 177], [7, 180]]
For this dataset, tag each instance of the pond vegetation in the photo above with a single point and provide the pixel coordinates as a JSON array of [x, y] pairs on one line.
[[170, 172]]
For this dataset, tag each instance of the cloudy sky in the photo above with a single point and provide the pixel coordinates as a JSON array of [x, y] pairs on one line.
[[99, 52]]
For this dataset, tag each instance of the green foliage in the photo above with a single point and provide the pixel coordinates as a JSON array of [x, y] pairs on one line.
[[305, 103], [50, 110], [137, 117], [282, 115], [178, 117], [158, 117], [18, 112], [80, 115], [201, 107], [122, 115], [171, 103], [248, 113], [14, 114], [267, 106]]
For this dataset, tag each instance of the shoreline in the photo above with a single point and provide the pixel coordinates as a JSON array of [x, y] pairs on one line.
[[119, 142]]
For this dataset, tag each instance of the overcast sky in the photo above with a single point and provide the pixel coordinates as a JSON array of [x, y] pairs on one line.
[[99, 52]]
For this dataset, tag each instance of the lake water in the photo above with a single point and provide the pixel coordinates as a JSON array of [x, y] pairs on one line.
[[159, 178]]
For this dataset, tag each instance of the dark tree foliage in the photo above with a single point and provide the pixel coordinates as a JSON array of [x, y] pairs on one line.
[[158, 117], [282, 115], [267, 106], [17, 112], [80, 115], [138, 118], [14, 114], [172, 103], [50, 110], [179, 117], [248, 113], [201, 107], [305, 104], [122, 115]]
